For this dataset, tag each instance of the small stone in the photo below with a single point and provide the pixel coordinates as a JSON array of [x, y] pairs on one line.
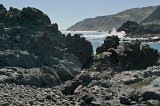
[[153, 103], [88, 98], [5, 104], [107, 97], [81, 103], [78, 88], [108, 103], [5, 94], [57, 96], [50, 97], [31, 102], [93, 103], [133, 102], [86, 78], [125, 100]]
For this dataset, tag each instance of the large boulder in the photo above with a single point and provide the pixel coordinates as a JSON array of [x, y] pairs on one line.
[[135, 55], [148, 56], [80, 47], [35, 16], [64, 72], [39, 77], [147, 95], [26, 17], [52, 28], [129, 54], [103, 58], [129, 27], [125, 100], [12, 17], [109, 42], [29, 17], [134, 29], [18, 58], [126, 55], [3, 11]]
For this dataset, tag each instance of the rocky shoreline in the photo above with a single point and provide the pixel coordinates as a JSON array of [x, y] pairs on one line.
[[94, 88], [40, 66]]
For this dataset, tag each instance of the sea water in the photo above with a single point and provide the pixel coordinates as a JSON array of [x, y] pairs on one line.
[[97, 38], [155, 45]]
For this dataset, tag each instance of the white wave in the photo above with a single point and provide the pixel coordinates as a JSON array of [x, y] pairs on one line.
[[119, 34], [96, 37], [96, 34]]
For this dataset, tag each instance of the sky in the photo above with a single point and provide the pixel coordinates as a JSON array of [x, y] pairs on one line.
[[68, 12]]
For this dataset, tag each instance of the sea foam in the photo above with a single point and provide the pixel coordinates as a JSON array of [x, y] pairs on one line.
[[96, 37]]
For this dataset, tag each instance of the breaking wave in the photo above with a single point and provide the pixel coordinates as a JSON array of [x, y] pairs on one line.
[[96, 37]]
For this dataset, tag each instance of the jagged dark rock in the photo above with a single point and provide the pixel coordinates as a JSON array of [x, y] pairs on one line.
[[3, 11], [128, 54], [129, 27], [125, 100], [37, 61], [134, 29], [136, 55], [52, 28], [109, 42], [29, 40], [149, 55], [133, 55], [2, 28], [18, 58], [35, 16], [29, 17], [33, 76], [76, 46]]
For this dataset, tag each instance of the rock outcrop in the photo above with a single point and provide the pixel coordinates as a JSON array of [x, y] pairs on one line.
[[80, 47], [109, 42], [129, 27], [27, 17], [41, 66], [136, 55], [29, 41], [18, 58], [133, 55], [134, 29]]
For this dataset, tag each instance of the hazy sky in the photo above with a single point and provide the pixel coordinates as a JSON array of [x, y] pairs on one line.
[[68, 12]]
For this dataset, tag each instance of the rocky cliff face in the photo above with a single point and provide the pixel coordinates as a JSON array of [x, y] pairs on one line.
[[28, 40], [41, 66]]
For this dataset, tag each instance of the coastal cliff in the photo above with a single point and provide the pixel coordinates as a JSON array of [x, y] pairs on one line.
[[41, 66]]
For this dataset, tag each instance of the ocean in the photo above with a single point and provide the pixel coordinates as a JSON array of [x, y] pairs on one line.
[[97, 38]]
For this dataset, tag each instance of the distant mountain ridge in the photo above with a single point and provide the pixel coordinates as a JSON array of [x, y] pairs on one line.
[[153, 18], [103, 23]]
